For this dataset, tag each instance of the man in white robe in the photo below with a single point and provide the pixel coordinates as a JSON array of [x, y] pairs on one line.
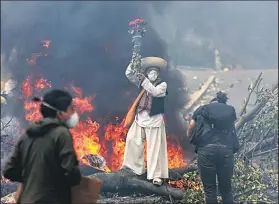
[[148, 124]]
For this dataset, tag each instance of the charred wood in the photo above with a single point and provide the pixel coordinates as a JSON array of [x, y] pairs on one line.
[[125, 182], [87, 170], [119, 182], [133, 200]]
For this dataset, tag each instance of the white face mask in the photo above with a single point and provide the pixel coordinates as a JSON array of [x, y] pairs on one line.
[[152, 75], [73, 120]]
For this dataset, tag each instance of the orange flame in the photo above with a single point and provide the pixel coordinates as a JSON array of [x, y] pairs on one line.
[[41, 84], [26, 87], [86, 135], [82, 104]]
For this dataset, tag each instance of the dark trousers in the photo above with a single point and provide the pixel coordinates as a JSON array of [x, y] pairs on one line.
[[216, 160]]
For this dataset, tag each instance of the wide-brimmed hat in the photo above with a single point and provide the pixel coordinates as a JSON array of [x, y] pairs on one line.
[[157, 62]]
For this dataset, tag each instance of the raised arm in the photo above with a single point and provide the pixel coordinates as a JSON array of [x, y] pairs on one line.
[[133, 76], [157, 91]]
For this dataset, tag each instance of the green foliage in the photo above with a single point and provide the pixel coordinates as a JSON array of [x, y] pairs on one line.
[[194, 189], [247, 184], [250, 183]]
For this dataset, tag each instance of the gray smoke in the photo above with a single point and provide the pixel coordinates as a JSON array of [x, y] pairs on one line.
[[245, 32], [90, 46]]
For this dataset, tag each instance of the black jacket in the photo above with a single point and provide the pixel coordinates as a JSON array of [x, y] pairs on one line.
[[44, 161], [204, 133]]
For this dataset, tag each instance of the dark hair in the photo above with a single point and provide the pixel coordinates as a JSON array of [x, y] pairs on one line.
[[149, 69], [220, 97], [58, 99]]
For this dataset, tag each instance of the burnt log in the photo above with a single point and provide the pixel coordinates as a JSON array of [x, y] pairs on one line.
[[175, 174], [124, 182], [134, 200], [87, 170]]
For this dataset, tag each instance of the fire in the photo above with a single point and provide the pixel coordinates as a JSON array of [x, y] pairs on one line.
[[193, 183], [83, 104], [32, 109], [86, 140], [41, 84], [116, 135], [177, 184], [26, 87], [89, 136], [175, 154]]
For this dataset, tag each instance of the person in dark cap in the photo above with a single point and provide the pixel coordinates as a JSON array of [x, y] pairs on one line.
[[43, 160], [212, 132]]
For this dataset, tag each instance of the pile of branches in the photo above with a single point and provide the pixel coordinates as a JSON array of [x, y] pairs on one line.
[[256, 164]]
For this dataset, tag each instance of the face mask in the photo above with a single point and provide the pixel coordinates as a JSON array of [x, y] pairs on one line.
[[73, 120], [152, 75]]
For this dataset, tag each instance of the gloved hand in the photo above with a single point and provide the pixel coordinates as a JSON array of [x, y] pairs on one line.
[[140, 76]]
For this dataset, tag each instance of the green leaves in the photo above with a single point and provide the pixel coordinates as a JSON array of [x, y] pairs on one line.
[[250, 184], [194, 189], [247, 184]]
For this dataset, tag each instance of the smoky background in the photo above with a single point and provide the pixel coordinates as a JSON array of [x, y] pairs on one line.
[[90, 46]]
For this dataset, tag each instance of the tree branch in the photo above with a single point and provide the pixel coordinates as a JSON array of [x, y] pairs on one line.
[[249, 116], [257, 82], [3, 126]]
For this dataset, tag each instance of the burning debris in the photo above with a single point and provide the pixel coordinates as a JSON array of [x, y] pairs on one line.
[[97, 144], [87, 137]]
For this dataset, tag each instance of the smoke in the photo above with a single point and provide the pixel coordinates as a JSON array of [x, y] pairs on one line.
[[245, 32], [90, 46]]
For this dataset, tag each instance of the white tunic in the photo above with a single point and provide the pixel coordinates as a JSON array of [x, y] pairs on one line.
[[151, 128], [143, 119]]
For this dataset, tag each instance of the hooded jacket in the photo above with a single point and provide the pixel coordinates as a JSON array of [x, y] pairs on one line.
[[45, 163]]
